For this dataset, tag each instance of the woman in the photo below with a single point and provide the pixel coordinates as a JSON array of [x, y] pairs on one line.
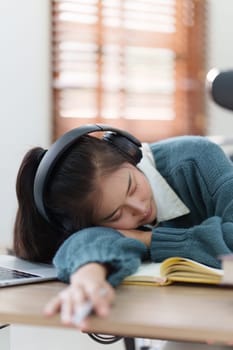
[[105, 213]]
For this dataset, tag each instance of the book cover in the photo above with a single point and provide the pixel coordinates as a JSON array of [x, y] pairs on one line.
[[175, 269]]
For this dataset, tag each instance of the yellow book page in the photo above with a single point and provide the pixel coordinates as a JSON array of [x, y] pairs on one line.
[[186, 270], [148, 273], [174, 269]]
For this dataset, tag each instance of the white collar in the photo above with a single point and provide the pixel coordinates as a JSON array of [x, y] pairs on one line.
[[169, 205]]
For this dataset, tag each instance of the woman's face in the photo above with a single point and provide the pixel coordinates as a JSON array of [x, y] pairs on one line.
[[126, 200]]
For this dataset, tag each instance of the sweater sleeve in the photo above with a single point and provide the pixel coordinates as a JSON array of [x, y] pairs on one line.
[[203, 177], [203, 243], [103, 245]]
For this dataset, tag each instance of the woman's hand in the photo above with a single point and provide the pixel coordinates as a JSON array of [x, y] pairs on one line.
[[88, 283], [143, 236]]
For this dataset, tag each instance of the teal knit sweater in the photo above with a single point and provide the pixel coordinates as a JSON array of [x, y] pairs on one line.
[[202, 176]]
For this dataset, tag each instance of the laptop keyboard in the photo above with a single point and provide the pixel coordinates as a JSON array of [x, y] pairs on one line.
[[8, 274]]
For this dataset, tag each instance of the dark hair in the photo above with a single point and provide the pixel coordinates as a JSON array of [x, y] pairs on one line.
[[70, 197]]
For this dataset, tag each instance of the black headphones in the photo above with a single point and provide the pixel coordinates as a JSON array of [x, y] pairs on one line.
[[125, 143]]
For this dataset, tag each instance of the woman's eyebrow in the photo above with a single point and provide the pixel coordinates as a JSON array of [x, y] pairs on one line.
[[127, 191]]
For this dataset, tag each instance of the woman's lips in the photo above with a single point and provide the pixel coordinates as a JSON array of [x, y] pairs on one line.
[[147, 216]]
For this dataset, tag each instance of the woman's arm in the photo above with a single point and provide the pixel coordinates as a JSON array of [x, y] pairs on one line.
[[202, 176], [203, 243], [142, 236], [88, 283], [102, 245], [92, 261]]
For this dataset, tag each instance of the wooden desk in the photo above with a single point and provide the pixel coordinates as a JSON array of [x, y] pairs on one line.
[[176, 312]]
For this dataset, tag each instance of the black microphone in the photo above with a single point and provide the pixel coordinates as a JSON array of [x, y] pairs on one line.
[[220, 86]]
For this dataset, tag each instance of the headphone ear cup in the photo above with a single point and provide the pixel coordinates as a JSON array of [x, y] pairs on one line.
[[127, 147]]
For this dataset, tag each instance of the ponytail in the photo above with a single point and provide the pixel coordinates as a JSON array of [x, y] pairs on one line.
[[34, 238]]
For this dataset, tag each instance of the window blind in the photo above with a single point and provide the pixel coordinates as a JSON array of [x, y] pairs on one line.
[[133, 64]]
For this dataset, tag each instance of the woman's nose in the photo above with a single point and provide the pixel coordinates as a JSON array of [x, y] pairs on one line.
[[136, 206]]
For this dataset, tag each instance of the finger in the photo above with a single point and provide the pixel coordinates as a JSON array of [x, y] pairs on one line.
[[72, 300], [53, 306], [102, 299]]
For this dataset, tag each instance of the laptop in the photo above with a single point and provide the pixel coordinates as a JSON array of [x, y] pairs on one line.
[[15, 271]]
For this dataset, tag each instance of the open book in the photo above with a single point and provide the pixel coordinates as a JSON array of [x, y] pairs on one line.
[[175, 269], [227, 265]]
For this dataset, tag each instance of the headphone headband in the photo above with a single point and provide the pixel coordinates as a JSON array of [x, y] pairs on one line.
[[58, 148]]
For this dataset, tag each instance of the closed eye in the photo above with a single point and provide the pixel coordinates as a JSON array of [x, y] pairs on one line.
[[115, 215], [115, 218], [133, 189]]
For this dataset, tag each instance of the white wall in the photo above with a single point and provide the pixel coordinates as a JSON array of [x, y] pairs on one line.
[[24, 93], [220, 55]]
